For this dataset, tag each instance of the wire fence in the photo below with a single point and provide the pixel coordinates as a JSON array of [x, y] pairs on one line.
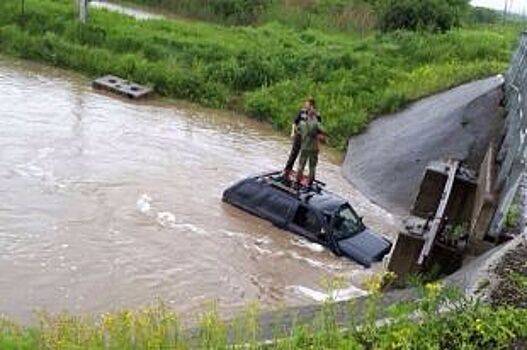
[[513, 151]]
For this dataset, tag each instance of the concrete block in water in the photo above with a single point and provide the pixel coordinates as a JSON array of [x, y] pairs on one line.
[[121, 86], [403, 261]]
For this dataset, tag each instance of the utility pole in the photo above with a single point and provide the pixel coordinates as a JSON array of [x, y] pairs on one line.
[[83, 10], [22, 12]]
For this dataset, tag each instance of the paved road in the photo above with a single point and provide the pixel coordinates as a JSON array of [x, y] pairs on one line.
[[388, 160]]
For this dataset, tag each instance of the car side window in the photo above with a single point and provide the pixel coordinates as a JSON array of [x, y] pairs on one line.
[[307, 219], [312, 222]]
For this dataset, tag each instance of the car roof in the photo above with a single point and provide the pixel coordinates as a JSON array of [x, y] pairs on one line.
[[324, 201], [318, 198]]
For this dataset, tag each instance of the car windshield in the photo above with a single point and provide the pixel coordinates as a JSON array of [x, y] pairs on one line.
[[346, 223]]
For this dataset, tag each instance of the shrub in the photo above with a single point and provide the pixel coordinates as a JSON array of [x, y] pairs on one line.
[[433, 15], [339, 15], [513, 216], [239, 11], [483, 15]]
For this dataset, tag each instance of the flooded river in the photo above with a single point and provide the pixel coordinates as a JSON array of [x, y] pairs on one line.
[[106, 203], [138, 12]]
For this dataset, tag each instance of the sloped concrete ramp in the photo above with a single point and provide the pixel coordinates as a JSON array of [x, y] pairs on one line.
[[387, 161]]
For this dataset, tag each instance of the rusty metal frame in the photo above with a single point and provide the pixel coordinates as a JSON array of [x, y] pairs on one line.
[[453, 166]]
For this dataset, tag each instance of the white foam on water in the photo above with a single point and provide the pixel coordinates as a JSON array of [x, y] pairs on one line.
[[337, 295], [262, 251], [166, 218], [314, 247], [229, 233], [263, 240], [313, 262], [31, 170], [192, 228], [143, 203]]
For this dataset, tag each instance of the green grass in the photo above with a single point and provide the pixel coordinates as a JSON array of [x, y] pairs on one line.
[[412, 325], [351, 16], [264, 72], [513, 216]]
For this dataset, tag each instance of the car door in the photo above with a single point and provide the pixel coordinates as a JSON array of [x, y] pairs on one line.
[[307, 222]]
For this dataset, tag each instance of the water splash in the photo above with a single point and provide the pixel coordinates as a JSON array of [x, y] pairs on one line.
[[337, 295], [144, 203]]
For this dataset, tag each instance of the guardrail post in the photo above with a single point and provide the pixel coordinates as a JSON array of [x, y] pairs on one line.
[[83, 10]]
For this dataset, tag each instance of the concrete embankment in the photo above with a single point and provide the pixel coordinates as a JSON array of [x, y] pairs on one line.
[[388, 160]]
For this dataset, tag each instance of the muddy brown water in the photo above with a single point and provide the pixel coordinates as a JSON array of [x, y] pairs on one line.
[[138, 12], [106, 203]]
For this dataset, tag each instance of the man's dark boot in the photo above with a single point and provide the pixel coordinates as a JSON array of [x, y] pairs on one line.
[[299, 180], [286, 177]]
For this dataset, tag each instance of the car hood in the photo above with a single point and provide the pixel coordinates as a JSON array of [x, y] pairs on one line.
[[365, 247]]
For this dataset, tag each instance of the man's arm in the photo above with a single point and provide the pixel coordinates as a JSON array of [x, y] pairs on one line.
[[294, 130], [299, 116], [296, 122], [321, 133]]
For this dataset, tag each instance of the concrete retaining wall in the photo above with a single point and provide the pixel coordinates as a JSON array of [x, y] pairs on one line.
[[513, 148]]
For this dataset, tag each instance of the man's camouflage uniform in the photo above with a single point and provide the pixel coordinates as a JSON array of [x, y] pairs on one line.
[[297, 140], [309, 129]]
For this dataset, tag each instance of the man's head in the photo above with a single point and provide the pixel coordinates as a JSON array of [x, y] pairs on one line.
[[310, 103]]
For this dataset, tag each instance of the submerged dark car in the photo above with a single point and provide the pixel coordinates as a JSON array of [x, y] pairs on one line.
[[314, 213]]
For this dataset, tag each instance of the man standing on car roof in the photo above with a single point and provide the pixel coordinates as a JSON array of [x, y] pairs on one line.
[[311, 132], [295, 135]]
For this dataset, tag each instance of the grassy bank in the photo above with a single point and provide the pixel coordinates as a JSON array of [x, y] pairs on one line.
[[350, 16], [413, 325], [358, 17], [264, 72]]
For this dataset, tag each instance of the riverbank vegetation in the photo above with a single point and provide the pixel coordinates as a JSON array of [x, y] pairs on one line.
[[263, 71], [349, 16], [511, 288], [410, 325]]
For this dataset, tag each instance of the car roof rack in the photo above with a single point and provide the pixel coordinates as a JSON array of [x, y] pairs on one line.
[[276, 179]]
